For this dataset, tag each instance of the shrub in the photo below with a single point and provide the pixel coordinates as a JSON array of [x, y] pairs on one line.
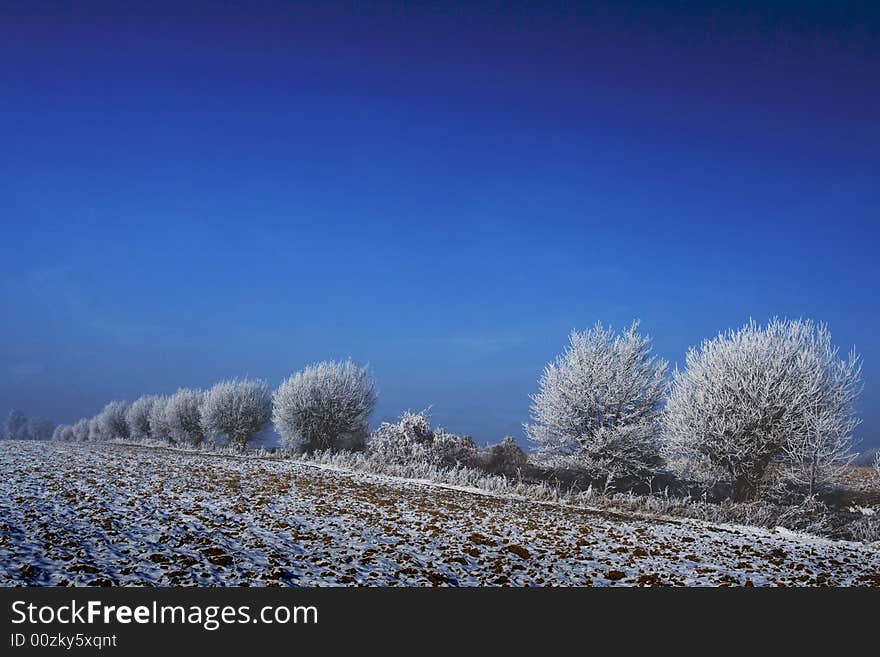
[[506, 458], [755, 395], [326, 406], [237, 409], [183, 415], [411, 439], [112, 420], [138, 417], [598, 404]]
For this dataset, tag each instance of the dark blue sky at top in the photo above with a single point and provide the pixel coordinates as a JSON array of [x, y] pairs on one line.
[[191, 192]]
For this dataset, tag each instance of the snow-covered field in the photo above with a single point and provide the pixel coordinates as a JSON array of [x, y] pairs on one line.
[[128, 515]]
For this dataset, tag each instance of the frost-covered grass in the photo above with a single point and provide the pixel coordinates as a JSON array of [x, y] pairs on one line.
[[118, 514]]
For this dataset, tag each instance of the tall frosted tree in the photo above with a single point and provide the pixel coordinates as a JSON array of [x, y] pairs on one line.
[[598, 404], [113, 421], [183, 415], [759, 394], [16, 427], [138, 417], [159, 429], [325, 406], [237, 409], [81, 430], [95, 430]]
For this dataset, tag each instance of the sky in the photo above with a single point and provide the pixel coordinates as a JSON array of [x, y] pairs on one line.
[[196, 191]]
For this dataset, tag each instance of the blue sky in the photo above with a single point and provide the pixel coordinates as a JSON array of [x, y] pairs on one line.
[[191, 192]]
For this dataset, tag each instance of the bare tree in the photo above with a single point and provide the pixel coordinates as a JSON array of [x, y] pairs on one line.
[[325, 406], [759, 394], [237, 409], [599, 402]]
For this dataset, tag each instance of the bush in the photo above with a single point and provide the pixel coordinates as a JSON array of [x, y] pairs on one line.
[[750, 397], [326, 406], [598, 405], [411, 439], [183, 416], [138, 417], [237, 409], [506, 458]]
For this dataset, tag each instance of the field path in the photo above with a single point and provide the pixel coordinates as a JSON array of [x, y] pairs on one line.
[[127, 515]]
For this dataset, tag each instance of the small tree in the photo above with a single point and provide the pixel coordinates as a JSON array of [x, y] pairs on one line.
[[159, 429], [113, 420], [325, 406], [41, 429], [238, 409], [599, 402], [183, 415], [138, 417], [58, 433], [759, 394], [16, 427]]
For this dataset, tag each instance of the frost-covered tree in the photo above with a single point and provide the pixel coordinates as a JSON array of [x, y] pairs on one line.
[[112, 420], [598, 404], [95, 430], [325, 406], [183, 415], [138, 417], [58, 433], [506, 458], [41, 429], [159, 429], [761, 394], [81, 430], [411, 440], [238, 409], [16, 427]]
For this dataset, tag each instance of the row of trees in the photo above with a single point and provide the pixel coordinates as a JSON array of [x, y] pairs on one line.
[[746, 399], [325, 406], [746, 402], [18, 427]]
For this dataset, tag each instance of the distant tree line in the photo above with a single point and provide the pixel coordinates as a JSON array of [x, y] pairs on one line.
[[757, 407], [17, 427]]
